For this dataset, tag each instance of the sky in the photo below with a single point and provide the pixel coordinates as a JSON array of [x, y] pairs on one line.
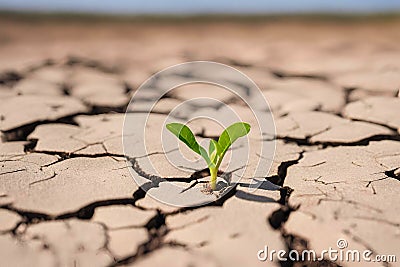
[[201, 6]]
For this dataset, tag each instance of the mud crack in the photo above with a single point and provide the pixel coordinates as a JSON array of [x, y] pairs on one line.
[[156, 230], [279, 179], [279, 217], [363, 142]]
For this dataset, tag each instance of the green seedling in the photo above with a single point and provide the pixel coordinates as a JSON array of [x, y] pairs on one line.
[[216, 150]]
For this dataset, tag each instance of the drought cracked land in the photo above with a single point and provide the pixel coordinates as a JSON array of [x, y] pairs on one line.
[[67, 197]]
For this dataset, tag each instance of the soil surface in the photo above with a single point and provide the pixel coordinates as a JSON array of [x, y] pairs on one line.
[[67, 197]]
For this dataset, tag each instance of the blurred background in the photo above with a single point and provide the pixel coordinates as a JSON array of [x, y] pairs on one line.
[[340, 41], [208, 6]]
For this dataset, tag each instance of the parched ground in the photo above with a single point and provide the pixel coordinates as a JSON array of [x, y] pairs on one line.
[[68, 199]]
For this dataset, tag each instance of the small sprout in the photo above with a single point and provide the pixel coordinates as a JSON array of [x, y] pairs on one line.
[[216, 150]]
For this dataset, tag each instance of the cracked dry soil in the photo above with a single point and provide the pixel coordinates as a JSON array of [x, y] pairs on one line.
[[68, 199]]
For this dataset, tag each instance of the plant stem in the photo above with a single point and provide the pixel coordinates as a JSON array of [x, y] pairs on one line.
[[213, 181]]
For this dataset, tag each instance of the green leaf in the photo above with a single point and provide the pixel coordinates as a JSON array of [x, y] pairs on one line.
[[214, 151], [204, 154], [185, 135], [231, 134]]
